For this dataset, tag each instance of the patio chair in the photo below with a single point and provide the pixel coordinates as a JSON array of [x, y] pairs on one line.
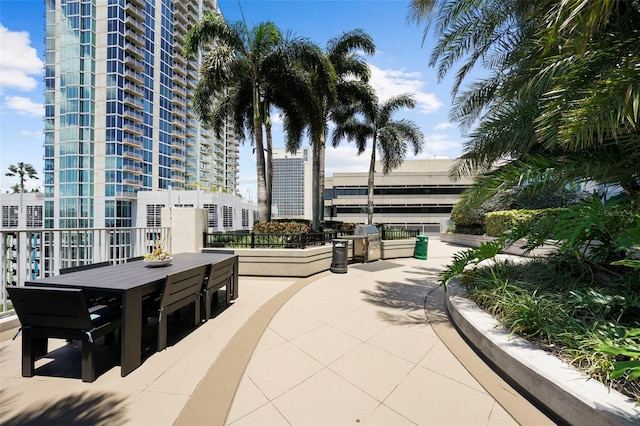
[[179, 290], [217, 276], [63, 313]]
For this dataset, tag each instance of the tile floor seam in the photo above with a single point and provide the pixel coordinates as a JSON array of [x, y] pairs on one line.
[[400, 356], [269, 401], [382, 404], [483, 391], [341, 356], [360, 388]]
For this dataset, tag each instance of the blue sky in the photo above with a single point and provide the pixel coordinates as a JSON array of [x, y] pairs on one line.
[[400, 65]]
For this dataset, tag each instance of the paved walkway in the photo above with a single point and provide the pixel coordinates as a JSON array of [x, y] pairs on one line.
[[372, 346]]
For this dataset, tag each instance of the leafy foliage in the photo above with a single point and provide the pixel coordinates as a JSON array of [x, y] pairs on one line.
[[281, 228], [466, 261], [390, 138], [629, 350], [591, 230], [469, 213], [559, 304], [561, 92], [497, 223], [23, 171]]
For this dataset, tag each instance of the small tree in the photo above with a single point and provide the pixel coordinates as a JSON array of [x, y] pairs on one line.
[[391, 138], [24, 171]]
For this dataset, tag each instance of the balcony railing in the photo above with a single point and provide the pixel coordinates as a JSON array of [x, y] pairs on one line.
[[28, 254]]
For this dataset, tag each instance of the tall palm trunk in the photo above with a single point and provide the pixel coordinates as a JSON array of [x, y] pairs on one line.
[[260, 165], [269, 163], [321, 181], [372, 172], [317, 191]]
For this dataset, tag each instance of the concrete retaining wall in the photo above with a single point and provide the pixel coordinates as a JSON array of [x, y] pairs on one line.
[[302, 263], [282, 262], [476, 240], [392, 249]]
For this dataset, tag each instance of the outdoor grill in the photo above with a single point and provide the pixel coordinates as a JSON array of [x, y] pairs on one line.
[[366, 243]]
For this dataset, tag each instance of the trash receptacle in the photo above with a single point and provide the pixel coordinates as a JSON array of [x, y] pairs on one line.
[[339, 259], [422, 244]]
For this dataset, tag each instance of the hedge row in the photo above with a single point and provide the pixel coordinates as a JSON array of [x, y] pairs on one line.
[[498, 222], [281, 228]]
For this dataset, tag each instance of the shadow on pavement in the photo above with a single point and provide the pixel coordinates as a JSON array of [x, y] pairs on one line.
[[81, 409]]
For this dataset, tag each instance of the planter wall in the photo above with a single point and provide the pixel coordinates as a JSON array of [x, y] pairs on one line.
[[477, 240], [302, 263], [392, 249], [299, 263]]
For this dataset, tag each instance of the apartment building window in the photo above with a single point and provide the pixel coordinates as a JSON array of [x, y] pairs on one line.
[[212, 215], [245, 218], [227, 216], [34, 216], [154, 215], [183, 205], [9, 216]]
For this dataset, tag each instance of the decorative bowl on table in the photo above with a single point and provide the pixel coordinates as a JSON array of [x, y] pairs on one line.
[[154, 263], [159, 257]]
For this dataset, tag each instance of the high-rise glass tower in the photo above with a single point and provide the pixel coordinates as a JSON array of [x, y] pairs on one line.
[[118, 115]]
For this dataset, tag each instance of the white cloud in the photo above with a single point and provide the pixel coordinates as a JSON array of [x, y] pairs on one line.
[[24, 105], [443, 126], [345, 159], [390, 82], [440, 143], [18, 60]]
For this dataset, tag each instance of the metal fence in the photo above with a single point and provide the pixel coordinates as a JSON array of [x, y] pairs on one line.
[[389, 233], [29, 254], [254, 240], [398, 233], [298, 241]]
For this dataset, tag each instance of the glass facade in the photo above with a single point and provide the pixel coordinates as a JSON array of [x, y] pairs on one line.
[[118, 117], [292, 184], [288, 186]]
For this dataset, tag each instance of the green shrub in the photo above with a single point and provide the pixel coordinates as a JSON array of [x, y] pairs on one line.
[[469, 213], [596, 232], [281, 228], [496, 223]]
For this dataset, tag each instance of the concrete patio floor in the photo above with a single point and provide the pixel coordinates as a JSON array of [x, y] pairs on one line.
[[371, 346]]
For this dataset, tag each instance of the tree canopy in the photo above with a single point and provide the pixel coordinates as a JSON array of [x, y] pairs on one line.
[[562, 85]]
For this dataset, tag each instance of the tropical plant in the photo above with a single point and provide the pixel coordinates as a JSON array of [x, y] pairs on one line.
[[391, 138], [246, 72], [352, 74], [591, 231], [24, 171], [471, 258], [561, 93], [630, 350]]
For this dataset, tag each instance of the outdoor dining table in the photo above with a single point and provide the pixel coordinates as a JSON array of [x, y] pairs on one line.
[[132, 281]]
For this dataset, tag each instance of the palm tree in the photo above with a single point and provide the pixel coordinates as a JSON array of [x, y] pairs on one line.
[[561, 91], [24, 171], [352, 74], [392, 138], [234, 61], [244, 73]]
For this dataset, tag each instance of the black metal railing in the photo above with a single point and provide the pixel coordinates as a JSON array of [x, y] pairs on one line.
[[298, 241], [387, 233], [253, 240], [397, 233]]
